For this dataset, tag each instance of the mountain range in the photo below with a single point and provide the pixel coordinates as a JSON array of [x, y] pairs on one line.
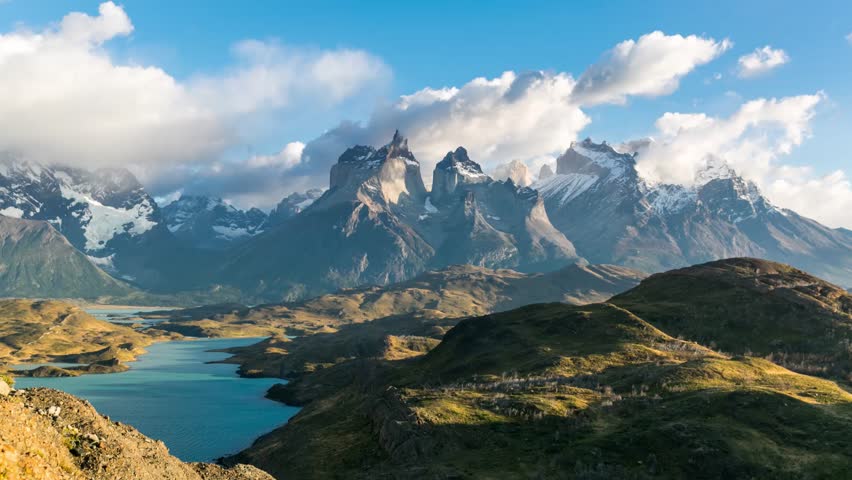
[[378, 223], [613, 215]]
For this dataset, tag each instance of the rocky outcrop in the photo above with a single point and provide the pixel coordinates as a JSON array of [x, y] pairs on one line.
[[454, 170], [516, 171], [390, 174], [49, 434]]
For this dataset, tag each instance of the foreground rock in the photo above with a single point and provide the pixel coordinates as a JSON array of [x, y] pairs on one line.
[[48, 434]]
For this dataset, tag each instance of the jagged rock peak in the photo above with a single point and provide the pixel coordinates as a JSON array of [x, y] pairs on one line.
[[545, 172], [460, 162], [714, 168], [397, 148], [592, 158], [369, 157], [391, 170], [516, 170], [455, 169]]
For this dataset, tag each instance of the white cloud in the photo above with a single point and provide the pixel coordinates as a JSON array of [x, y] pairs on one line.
[[750, 139], [753, 141], [65, 99], [849, 38], [528, 116], [270, 75], [287, 158], [112, 21], [762, 60], [497, 120], [827, 199], [651, 66]]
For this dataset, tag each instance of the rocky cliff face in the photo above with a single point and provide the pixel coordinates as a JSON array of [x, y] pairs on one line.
[[456, 169], [516, 171], [389, 175]]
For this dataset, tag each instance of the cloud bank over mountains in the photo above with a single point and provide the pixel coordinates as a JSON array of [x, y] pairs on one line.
[[65, 98]]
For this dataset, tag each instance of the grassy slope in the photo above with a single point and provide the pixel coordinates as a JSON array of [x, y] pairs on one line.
[[454, 292], [52, 330], [37, 261], [554, 391], [357, 323], [753, 306]]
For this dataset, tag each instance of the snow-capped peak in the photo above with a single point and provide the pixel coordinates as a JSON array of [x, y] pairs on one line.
[[459, 162], [714, 168], [89, 207], [599, 160]]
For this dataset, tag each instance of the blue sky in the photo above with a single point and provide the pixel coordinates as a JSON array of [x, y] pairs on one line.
[[444, 44]]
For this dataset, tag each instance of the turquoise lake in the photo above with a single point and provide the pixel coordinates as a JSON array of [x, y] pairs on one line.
[[201, 411]]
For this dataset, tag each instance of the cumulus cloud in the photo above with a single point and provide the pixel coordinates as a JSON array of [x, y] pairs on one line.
[[499, 119], [651, 66], [529, 116], [761, 60], [750, 139], [753, 140], [271, 75], [65, 99], [827, 198], [287, 158]]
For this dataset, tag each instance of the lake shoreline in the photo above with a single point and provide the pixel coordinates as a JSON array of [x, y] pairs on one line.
[[205, 385]]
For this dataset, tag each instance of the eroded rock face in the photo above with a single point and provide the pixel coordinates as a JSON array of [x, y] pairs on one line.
[[454, 170], [516, 171], [385, 174], [49, 434]]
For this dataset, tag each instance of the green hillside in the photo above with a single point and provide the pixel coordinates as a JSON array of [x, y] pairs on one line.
[[559, 391]]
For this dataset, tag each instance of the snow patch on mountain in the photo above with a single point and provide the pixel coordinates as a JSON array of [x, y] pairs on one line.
[[604, 156], [566, 186], [101, 222], [231, 232], [427, 205], [13, 212], [670, 199], [715, 168]]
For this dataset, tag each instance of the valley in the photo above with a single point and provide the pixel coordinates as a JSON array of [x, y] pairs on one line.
[[457, 332], [594, 391], [425, 241]]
